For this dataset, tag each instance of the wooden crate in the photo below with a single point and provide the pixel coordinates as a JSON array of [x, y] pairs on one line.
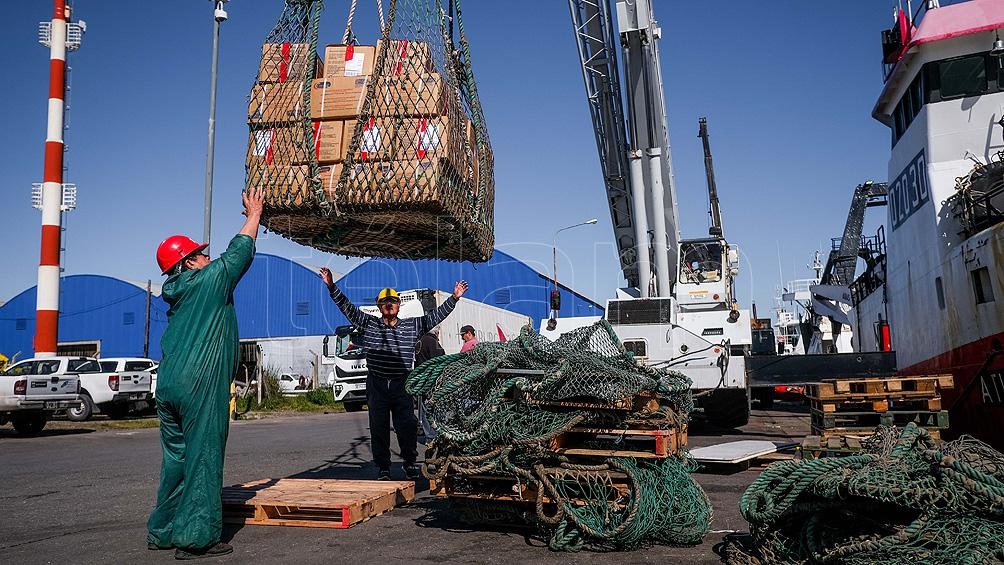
[[925, 386], [645, 444], [315, 503]]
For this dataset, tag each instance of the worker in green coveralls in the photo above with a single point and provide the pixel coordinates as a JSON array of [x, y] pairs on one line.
[[193, 390]]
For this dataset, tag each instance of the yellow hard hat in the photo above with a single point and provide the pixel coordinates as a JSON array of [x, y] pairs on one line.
[[388, 294]]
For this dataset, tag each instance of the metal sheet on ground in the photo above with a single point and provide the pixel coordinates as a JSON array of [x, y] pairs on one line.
[[733, 451]]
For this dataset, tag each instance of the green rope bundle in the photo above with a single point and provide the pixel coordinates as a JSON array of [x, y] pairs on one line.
[[498, 422], [906, 499]]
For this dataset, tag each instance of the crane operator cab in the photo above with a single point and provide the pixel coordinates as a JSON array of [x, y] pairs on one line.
[[702, 262], [707, 268]]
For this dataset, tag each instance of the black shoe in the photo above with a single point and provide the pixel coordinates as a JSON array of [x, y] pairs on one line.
[[383, 475], [154, 547], [412, 472], [214, 551]]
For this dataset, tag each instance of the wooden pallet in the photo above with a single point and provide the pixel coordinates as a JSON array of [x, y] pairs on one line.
[[869, 420], [314, 503], [814, 447], [925, 386], [859, 433], [875, 405], [646, 444]]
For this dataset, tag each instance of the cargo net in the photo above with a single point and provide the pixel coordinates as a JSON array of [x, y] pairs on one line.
[[382, 150], [501, 410], [906, 499]]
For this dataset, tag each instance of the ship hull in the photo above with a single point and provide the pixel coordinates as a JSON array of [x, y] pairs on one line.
[[976, 403]]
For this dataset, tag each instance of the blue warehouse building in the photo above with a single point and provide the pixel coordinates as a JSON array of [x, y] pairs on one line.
[[277, 298]]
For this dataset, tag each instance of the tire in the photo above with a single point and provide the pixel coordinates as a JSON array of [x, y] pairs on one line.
[[728, 408], [29, 422], [353, 406], [83, 413], [115, 411]]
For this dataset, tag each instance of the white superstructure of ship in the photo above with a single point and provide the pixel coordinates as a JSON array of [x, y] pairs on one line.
[[940, 286]]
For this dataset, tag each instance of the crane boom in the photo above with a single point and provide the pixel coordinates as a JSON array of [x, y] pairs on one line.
[[593, 29], [634, 152], [709, 169]]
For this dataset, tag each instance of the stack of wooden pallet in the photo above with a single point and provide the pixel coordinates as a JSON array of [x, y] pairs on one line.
[[583, 445], [855, 407]]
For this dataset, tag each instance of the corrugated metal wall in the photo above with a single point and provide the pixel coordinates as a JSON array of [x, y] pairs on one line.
[[503, 281], [277, 298], [93, 307]]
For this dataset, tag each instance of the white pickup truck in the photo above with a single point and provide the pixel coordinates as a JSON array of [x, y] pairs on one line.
[[120, 385], [33, 389]]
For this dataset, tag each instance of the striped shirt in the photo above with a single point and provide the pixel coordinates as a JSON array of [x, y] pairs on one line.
[[390, 350]]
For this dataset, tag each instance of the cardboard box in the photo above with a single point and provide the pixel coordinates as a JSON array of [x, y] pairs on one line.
[[284, 62], [329, 141], [277, 145], [411, 94], [377, 141], [358, 179], [349, 60], [405, 57], [284, 185], [337, 97], [276, 103]]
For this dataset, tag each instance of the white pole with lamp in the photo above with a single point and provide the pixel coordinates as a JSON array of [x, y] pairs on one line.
[[555, 293]]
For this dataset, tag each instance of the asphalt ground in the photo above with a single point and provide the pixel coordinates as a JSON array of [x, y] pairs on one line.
[[83, 496]]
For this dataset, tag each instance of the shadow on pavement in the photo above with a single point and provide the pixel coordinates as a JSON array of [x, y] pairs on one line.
[[439, 514], [352, 463]]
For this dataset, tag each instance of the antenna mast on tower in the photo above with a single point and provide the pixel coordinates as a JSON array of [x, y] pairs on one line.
[[52, 196]]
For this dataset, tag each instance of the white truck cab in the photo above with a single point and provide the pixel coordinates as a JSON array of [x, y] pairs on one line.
[[33, 389]]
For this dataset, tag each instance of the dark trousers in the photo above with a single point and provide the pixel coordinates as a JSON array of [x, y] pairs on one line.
[[387, 397]]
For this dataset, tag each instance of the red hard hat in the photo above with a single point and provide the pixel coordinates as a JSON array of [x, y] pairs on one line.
[[174, 249]]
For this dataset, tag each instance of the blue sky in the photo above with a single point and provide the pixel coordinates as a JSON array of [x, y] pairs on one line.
[[787, 86]]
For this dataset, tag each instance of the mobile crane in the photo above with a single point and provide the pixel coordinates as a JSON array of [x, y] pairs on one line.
[[678, 309]]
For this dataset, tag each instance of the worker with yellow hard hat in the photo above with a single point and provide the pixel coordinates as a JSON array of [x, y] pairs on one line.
[[193, 390], [389, 343]]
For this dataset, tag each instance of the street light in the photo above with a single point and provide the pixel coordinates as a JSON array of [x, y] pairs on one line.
[[219, 16], [555, 294]]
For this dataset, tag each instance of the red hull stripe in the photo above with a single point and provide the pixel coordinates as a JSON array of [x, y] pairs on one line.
[[46, 324], [57, 78], [50, 246], [968, 413], [53, 168]]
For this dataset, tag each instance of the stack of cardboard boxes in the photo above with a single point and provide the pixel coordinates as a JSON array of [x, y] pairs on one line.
[[415, 151]]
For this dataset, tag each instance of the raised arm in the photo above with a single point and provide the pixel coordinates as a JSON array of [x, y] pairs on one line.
[[354, 315], [254, 203], [434, 318], [236, 260]]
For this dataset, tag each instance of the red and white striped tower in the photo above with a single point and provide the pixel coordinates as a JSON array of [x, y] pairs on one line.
[[47, 302]]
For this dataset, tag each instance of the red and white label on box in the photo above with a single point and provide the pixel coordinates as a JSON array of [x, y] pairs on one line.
[[354, 61], [370, 143], [429, 137]]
